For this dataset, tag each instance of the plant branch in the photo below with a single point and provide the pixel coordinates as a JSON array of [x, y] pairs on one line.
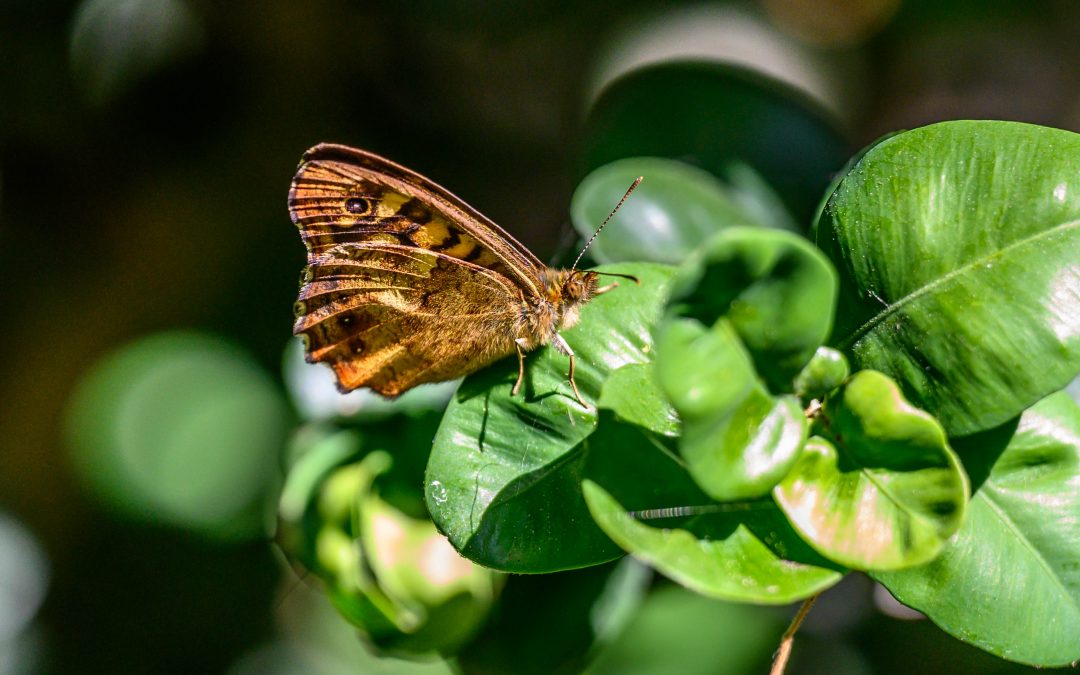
[[784, 652]]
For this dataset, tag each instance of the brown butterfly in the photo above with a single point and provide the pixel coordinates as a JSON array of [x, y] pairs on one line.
[[407, 284]]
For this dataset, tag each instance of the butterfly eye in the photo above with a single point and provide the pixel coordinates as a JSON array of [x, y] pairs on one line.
[[358, 205]]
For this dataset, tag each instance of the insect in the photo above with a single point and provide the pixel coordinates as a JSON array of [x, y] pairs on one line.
[[407, 284]]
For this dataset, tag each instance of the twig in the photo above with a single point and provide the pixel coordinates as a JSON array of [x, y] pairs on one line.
[[784, 652]]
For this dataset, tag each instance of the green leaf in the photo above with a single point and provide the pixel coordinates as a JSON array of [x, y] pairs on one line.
[[738, 441], [503, 479], [1009, 581], [675, 209], [778, 291], [407, 437], [826, 371], [725, 119], [882, 490], [738, 551], [632, 393], [316, 452], [747, 452], [744, 554], [769, 297], [956, 245], [441, 599], [391, 575], [702, 371]]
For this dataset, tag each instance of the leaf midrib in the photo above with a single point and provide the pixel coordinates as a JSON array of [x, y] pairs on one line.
[[901, 507], [925, 289], [1002, 515]]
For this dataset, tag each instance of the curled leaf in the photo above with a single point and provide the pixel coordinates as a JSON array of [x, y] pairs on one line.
[[880, 488]]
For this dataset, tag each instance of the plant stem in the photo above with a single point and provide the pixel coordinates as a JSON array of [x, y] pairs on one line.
[[784, 652]]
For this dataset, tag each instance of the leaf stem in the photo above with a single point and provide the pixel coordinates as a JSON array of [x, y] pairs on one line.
[[784, 651]]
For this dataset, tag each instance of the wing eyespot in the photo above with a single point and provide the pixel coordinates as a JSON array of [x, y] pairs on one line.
[[358, 206]]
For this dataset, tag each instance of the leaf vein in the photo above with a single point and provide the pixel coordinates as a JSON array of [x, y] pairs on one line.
[[884, 314], [1003, 516]]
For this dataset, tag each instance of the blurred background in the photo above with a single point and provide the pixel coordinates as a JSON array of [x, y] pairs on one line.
[[149, 268]]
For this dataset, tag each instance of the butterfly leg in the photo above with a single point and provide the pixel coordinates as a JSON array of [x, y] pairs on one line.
[[610, 287], [560, 344], [521, 366]]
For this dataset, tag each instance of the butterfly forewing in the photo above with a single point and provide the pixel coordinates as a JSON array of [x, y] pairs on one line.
[[405, 283], [344, 195]]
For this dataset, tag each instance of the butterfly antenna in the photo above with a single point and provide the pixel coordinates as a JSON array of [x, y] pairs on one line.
[[609, 217]]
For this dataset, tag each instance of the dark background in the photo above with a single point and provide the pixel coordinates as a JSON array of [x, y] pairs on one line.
[[145, 153]]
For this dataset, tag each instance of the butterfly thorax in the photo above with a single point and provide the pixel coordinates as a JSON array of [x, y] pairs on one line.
[[556, 307]]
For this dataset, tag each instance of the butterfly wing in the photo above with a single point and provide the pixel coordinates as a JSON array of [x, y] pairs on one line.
[[345, 195], [405, 284]]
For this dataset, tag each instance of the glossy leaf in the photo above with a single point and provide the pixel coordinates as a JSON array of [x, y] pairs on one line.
[[633, 394], [731, 555], [768, 297], [826, 371], [956, 245], [702, 371], [503, 479], [880, 488], [749, 451], [778, 291], [724, 119], [642, 496], [737, 440], [1009, 581], [676, 208]]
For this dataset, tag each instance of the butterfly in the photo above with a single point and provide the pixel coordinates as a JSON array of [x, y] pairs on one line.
[[407, 284]]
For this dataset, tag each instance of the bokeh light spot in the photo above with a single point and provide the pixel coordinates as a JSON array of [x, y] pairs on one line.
[[181, 428], [24, 576], [115, 43]]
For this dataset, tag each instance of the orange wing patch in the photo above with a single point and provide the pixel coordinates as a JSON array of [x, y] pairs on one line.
[[389, 317]]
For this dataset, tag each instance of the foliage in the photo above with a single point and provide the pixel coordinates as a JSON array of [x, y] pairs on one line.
[[768, 411]]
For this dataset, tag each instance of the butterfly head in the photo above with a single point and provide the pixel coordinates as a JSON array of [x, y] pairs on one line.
[[579, 286], [566, 291]]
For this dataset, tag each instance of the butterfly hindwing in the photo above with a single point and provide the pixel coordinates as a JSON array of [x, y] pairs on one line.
[[390, 336]]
